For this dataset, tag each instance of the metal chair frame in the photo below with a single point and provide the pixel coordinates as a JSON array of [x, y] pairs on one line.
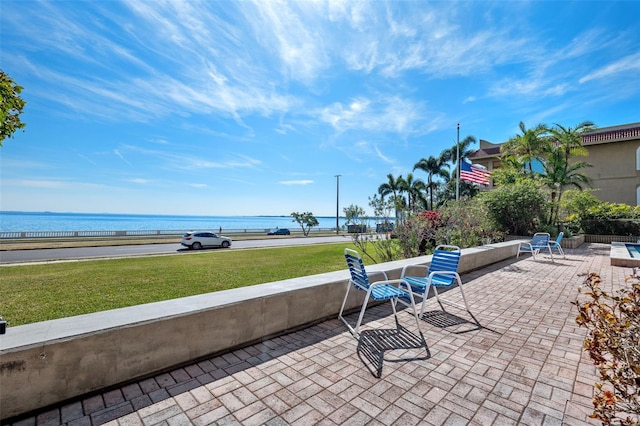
[[441, 272], [556, 245], [386, 289], [540, 241]]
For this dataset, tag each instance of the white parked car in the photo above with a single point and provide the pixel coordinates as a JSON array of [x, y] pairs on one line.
[[202, 239]]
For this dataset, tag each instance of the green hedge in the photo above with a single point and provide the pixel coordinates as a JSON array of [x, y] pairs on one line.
[[624, 227]]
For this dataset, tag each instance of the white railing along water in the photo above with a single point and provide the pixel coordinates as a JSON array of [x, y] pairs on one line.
[[5, 235]]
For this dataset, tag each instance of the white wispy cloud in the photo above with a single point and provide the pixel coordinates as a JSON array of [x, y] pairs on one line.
[[430, 39], [296, 182], [190, 162], [200, 70], [392, 114], [139, 181], [39, 183], [87, 159], [630, 64], [382, 156], [293, 31], [51, 184], [120, 156]]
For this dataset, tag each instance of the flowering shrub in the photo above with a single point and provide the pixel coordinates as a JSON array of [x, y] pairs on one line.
[[613, 343], [416, 235], [433, 215], [464, 223]]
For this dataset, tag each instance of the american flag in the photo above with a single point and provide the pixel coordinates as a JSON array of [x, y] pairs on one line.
[[474, 174]]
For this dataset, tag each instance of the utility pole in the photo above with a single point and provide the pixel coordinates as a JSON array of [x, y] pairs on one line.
[[458, 165], [337, 202]]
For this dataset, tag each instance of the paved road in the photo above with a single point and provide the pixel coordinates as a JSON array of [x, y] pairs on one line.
[[48, 255]]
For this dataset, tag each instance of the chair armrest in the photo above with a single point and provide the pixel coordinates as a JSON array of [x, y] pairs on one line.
[[407, 267], [373, 274], [444, 273], [541, 246], [398, 281]]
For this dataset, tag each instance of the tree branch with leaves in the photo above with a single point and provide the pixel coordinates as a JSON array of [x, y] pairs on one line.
[[11, 107], [306, 221], [613, 343]]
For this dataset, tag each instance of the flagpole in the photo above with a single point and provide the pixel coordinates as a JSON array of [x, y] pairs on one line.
[[458, 165]]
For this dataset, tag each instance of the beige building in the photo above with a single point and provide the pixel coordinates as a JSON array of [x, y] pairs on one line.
[[614, 153]]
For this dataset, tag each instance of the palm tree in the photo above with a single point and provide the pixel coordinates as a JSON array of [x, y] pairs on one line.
[[464, 147], [413, 188], [449, 191], [527, 147], [560, 171], [462, 150], [392, 187], [433, 167]]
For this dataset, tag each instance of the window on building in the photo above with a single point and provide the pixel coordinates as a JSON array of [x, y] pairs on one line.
[[638, 158], [638, 196]]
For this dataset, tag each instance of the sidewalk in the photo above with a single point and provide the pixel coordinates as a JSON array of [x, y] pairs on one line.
[[524, 364]]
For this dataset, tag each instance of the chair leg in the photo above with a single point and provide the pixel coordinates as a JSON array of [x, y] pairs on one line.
[[464, 299], [344, 320], [393, 307], [424, 301], [353, 330], [364, 308], [413, 306]]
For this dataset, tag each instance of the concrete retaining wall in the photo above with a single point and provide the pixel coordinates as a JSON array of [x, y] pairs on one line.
[[52, 361]]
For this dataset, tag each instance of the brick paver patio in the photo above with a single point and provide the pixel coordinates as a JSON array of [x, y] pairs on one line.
[[524, 365]]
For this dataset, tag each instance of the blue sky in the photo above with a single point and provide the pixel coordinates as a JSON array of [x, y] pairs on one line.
[[253, 108]]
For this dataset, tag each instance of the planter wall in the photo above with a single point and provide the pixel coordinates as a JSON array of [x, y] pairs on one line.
[[608, 239]]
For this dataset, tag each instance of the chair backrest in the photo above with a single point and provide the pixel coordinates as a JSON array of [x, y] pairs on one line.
[[560, 235], [359, 276], [540, 239], [445, 259]]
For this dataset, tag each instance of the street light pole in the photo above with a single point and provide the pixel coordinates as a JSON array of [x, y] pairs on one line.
[[337, 202], [458, 165]]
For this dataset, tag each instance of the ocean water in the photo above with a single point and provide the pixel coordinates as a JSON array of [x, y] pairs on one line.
[[11, 221]]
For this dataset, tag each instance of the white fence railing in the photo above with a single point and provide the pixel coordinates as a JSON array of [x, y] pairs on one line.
[[6, 235]]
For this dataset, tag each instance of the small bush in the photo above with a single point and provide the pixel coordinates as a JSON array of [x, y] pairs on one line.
[[627, 227], [463, 223], [613, 342], [517, 209], [575, 203], [417, 235], [612, 211], [466, 223]]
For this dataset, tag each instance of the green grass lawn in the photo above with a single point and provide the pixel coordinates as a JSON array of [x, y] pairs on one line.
[[43, 292]]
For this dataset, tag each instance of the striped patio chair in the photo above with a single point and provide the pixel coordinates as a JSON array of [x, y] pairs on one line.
[[391, 290], [441, 273], [540, 241]]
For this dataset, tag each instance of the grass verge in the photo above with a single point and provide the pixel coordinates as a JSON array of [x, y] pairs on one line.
[[36, 293]]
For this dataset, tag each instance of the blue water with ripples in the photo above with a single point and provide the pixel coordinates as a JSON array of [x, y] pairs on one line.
[[48, 221]]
